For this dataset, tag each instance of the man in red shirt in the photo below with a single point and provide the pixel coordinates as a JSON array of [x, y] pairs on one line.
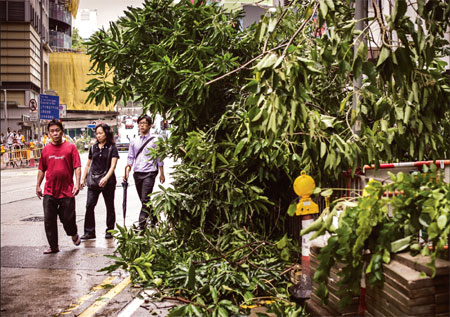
[[59, 160]]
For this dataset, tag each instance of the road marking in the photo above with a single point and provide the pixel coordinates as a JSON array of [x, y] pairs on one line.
[[132, 307], [102, 301], [91, 293], [136, 303]]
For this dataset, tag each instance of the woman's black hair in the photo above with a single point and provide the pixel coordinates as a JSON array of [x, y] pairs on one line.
[[108, 131]]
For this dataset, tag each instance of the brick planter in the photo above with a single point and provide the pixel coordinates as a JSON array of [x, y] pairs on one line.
[[404, 292]]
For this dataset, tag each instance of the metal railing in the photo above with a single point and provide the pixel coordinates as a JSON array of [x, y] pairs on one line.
[[17, 156]]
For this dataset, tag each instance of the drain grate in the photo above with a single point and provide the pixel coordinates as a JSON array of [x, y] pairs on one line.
[[34, 219]]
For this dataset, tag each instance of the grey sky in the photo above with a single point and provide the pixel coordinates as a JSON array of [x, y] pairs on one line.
[[108, 10]]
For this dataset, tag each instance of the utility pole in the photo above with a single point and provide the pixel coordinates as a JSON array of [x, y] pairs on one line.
[[6, 109], [361, 17], [41, 33]]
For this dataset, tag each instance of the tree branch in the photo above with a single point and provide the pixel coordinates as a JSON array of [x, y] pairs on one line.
[[276, 24], [298, 31], [245, 65]]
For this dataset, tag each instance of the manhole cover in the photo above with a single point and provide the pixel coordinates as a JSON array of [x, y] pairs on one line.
[[34, 219]]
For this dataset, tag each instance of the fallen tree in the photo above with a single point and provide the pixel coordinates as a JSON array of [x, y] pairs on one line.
[[251, 108]]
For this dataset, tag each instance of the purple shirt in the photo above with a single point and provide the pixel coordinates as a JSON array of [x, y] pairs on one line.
[[143, 163]]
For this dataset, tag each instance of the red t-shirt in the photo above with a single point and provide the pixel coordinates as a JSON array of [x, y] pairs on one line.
[[59, 162]]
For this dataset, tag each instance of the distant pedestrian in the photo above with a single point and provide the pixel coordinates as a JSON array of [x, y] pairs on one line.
[[145, 169], [20, 138], [10, 136], [103, 156], [59, 161], [45, 139], [2, 138]]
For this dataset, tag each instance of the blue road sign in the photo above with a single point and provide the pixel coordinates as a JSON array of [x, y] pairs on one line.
[[91, 126], [49, 107]]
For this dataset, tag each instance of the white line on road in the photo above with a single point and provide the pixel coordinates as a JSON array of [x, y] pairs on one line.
[[136, 303]]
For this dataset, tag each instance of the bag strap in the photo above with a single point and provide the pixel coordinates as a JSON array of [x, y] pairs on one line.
[[109, 158], [142, 147], [108, 161]]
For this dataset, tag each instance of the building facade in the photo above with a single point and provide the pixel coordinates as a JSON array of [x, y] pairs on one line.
[[24, 67], [60, 24]]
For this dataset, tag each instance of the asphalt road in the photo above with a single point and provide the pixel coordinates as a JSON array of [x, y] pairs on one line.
[[34, 284]]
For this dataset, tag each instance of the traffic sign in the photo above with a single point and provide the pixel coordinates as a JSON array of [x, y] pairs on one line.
[[91, 126], [49, 107], [33, 116], [32, 104], [62, 111]]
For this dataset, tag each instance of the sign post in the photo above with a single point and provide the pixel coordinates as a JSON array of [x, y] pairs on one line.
[[49, 107]]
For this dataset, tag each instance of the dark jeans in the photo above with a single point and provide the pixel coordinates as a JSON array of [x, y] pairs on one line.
[[144, 185], [92, 199], [65, 209]]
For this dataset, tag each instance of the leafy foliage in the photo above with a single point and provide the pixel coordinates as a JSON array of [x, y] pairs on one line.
[[212, 275], [162, 55], [252, 108], [378, 225], [77, 40]]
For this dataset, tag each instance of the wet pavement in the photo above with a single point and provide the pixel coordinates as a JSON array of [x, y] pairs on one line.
[[68, 282]]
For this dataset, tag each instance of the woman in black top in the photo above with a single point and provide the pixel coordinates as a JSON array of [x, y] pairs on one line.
[[98, 162]]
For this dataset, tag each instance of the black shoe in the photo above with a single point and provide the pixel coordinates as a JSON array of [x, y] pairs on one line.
[[108, 236], [88, 236]]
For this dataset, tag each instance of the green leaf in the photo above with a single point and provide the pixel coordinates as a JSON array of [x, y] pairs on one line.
[[240, 146], [433, 230], [272, 24], [400, 244], [282, 242], [292, 209], [386, 256], [285, 255], [191, 275], [330, 4], [323, 149], [399, 10], [222, 312], [384, 54], [214, 294], [267, 61], [407, 114], [178, 311], [323, 9], [326, 193], [222, 158]]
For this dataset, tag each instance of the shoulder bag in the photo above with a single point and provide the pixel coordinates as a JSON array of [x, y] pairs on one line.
[[142, 147], [93, 180]]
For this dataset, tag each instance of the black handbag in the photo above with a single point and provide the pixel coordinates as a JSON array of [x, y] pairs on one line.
[[93, 180]]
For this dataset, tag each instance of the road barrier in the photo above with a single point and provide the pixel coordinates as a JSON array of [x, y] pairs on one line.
[[17, 156]]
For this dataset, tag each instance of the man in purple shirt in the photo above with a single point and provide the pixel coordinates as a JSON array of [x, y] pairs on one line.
[[145, 169]]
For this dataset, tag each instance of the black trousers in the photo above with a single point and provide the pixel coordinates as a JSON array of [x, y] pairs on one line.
[[144, 185], [65, 209], [92, 198]]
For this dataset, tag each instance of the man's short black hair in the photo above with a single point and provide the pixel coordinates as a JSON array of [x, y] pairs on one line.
[[147, 118], [55, 122]]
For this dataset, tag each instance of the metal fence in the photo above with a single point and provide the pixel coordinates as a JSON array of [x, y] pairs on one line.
[[16, 155]]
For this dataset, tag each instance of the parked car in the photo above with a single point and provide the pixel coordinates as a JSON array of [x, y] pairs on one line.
[[123, 144], [129, 124]]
